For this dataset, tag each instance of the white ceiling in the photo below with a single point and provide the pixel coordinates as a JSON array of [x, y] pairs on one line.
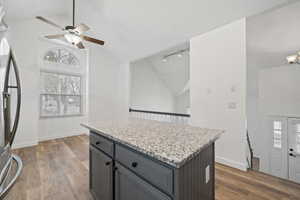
[[273, 35], [27, 9], [138, 28]]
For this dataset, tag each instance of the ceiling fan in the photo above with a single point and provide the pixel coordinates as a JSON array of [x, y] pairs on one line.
[[72, 34]]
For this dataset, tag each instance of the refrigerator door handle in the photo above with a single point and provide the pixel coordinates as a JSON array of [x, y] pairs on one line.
[[18, 87], [12, 132]]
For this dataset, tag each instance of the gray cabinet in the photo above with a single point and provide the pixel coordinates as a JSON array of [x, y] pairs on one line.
[[128, 187], [101, 175], [117, 172], [154, 172]]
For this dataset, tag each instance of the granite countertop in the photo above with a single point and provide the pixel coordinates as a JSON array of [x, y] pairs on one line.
[[168, 142]]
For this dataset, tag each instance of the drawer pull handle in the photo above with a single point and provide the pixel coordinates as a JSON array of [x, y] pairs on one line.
[[97, 143], [134, 164], [107, 163]]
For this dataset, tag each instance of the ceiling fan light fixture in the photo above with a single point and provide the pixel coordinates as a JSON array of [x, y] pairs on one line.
[[72, 38], [292, 59]]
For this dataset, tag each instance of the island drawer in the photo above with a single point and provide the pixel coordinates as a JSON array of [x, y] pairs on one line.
[[102, 143], [150, 170]]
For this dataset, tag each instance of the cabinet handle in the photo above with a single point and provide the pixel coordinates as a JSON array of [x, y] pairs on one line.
[[134, 164], [291, 149], [107, 163]]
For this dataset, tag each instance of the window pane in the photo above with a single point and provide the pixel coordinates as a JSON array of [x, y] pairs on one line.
[[298, 128], [70, 84], [71, 105], [277, 144], [49, 83], [298, 142], [60, 95], [61, 56], [277, 125], [50, 105], [277, 138]]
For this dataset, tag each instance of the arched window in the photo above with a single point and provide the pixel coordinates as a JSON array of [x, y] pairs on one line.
[[61, 56], [61, 92]]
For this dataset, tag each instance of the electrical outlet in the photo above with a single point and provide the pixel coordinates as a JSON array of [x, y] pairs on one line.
[[207, 174]]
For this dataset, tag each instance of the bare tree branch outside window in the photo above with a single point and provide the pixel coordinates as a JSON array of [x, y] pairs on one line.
[[61, 93]]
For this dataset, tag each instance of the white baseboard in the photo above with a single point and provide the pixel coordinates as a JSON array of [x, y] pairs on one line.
[[231, 163], [58, 136], [19, 145], [24, 144]]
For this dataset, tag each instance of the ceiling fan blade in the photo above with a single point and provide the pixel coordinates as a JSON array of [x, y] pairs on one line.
[[80, 45], [81, 28], [49, 22], [58, 36], [89, 39]]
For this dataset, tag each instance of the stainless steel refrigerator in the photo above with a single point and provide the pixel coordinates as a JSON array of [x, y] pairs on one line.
[[10, 103]]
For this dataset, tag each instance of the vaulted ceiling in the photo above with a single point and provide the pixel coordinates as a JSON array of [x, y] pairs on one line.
[[28, 9], [137, 28], [272, 36], [175, 71]]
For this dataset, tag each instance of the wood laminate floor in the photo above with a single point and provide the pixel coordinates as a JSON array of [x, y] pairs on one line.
[[58, 170]]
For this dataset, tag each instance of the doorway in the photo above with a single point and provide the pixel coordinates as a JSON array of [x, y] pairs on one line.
[[294, 149], [284, 147]]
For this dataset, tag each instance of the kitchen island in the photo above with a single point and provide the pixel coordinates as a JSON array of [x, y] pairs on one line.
[[135, 159]]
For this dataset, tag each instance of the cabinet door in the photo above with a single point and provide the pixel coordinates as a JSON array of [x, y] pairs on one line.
[[128, 187], [101, 175]]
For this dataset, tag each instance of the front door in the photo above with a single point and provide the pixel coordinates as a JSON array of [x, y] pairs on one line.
[[294, 149], [278, 144]]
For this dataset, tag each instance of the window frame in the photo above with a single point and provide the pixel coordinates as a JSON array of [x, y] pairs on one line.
[[58, 49], [81, 95]]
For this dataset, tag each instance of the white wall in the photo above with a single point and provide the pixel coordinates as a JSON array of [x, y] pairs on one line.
[[218, 80], [23, 39], [279, 92], [252, 106], [124, 89], [148, 91], [182, 102], [104, 93], [104, 99]]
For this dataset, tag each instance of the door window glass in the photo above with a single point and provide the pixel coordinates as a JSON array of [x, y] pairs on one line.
[[298, 138], [277, 134]]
